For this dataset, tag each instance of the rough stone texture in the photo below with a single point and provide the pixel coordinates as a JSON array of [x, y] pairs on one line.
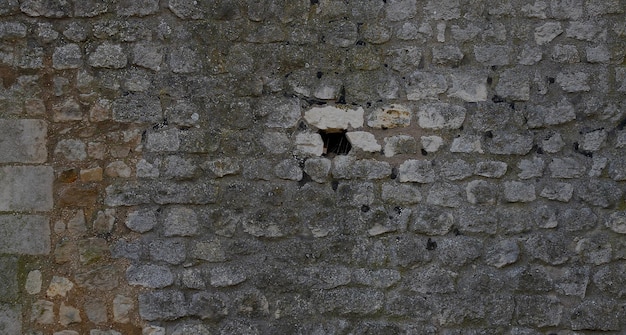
[[312, 167]]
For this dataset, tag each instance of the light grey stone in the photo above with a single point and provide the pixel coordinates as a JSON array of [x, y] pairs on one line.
[[405, 59], [431, 143], [420, 171], [68, 315], [598, 165], [597, 313], [445, 195], [288, 169], [276, 142], [553, 144], [343, 34], [23, 141], [400, 193], [506, 143], [546, 217], [382, 278], [180, 221], [591, 31], [108, 55], [149, 275], [565, 53], [148, 55], [491, 169], [224, 276], [318, 168], [162, 305], [284, 113], [558, 191], [309, 144], [515, 191], [546, 32], [594, 140], [186, 9], [370, 169], [400, 10], [363, 141], [566, 9], [456, 170], [503, 253], [42, 312], [492, 55], [447, 55], [467, 144], [530, 56], [433, 279], [468, 87], [598, 54], [620, 79], [142, 220], [441, 116], [443, 10], [68, 56], [56, 9], [12, 30], [26, 188], [562, 112], [514, 84], [573, 81], [617, 222], [551, 248], [96, 311], [122, 306], [425, 85], [599, 192], [399, 144], [376, 33], [566, 167], [171, 251], [481, 192]]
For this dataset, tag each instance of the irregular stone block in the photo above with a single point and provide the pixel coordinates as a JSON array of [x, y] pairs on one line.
[[599, 192], [331, 117], [68, 315], [400, 193], [432, 279], [317, 168], [514, 85], [370, 169], [346, 301], [456, 170], [310, 144], [104, 278], [597, 314], [431, 143], [289, 170], [12, 30], [573, 81], [447, 55], [609, 279], [549, 247], [23, 141], [224, 276], [96, 311], [342, 34], [547, 32], [364, 141], [468, 87], [171, 251], [566, 9], [492, 55], [162, 305], [565, 54], [559, 191], [390, 117], [46, 8], [506, 143], [184, 60], [441, 116], [399, 144], [152, 276], [10, 319], [107, 55], [491, 169], [419, 171], [566, 167], [503, 253], [443, 10], [71, 149], [8, 276], [591, 31], [425, 85], [383, 278], [617, 222], [553, 144], [467, 144], [481, 192], [282, 112], [180, 221], [122, 306], [137, 8], [24, 234], [68, 56], [445, 194], [515, 191], [209, 306], [594, 140]]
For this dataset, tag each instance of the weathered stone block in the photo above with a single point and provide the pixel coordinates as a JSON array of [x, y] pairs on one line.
[[468, 87], [432, 279], [538, 311], [347, 301], [23, 141], [184, 60], [181, 221], [426, 85], [443, 10], [558, 191], [162, 305], [502, 253], [597, 314], [419, 171], [45, 8], [137, 107], [441, 116], [137, 8], [447, 55], [149, 275], [506, 143], [547, 32], [491, 169], [363, 141], [67, 57], [288, 169], [515, 191], [8, 276], [390, 117], [481, 192], [514, 85], [331, 117], [400, 193], [318, 168], [26, 188], [445, 194], [456, 170], [399, 144], [573, 81], [492, 55], [467, 144], [107, 55], [172, 251], [566, 167]]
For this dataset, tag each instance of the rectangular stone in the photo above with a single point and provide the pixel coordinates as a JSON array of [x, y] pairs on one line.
[[23, 141], [26, 188], [8, 278], [24, 234]]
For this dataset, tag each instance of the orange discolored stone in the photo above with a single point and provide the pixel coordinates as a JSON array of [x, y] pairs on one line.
[[68, 176], [92, 174], [80, 196]]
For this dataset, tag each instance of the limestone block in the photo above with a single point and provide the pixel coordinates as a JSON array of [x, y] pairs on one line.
[[591, 31], [137, 8], [565, 54], [24, 234], [382, 278], [363, 141], [96, 311], [318, 168], [23, 141], [420, 171], [553, 144], [370, 169], [515, 191], [514, 85], [390, 117], [71, 149], [394, 193], [332, 117], [26, 188], [566, 167], [594, 140], [122, 306], [400, 10], [433, 279], [443, 10], [447, 55], [288, 169], [617, 222], [573, 81], [165, 140], [399, 144], [506, 143], [598, 314], [424, 85], [559, 191], [224, 276], [149, 275], [59, 286], [445, 195], [283, 113], [148, 55], [137, 107], [598, 54], [547, 32], [431, 143], [481, 192], [503, 253], [142, 220], [491, 169], [184, 60], [162, 305], [310, 144], [181, 221], [467, 144], [492, 55], [468, 87], [441, 116], [456, 170]]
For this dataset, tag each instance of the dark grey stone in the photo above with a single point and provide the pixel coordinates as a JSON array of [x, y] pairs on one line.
[[349, 301], [137, 107], [151, 276], [538, 311], [172, 251], [24, 234], [8, 276], [162, 305]]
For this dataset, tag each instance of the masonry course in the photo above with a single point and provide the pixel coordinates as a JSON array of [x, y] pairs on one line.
[[312, 167]]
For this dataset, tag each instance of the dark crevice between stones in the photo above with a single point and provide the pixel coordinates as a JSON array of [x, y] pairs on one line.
[[335, 142]]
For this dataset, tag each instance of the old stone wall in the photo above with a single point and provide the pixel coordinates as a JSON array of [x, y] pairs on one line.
[[312, 167]]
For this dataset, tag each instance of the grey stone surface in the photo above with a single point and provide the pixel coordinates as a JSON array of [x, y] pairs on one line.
[[490, 169], [162, 305], [24, 234], [180, 221], [26, 188], [137, 107], [142, 220], [152, 276], [420, 171], [10, 319], [515, 191], [23, 141], [108, 56], [68, 56]]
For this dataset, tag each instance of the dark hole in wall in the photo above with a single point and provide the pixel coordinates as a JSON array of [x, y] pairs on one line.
[[335, 142]]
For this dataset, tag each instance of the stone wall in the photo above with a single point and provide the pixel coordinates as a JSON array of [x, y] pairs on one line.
[[312, 167]]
